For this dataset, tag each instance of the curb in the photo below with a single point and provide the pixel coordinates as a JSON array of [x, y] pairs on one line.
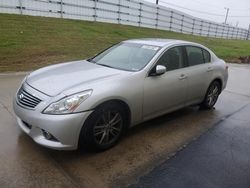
[[14, 73]]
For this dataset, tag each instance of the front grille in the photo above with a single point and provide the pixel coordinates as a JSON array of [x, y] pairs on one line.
[[26, 99]]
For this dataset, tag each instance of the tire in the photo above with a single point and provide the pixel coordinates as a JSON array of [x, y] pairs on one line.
[[104, 127], [212, 95]]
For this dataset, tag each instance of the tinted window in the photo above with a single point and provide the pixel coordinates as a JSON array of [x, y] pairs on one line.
[[172, 59], [206, 55], [195, 55]]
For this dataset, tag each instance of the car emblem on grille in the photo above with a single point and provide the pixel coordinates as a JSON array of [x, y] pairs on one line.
[[21, 96]]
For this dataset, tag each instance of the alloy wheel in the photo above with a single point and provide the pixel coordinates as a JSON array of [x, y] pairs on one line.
[[108, 128], [213, 94]]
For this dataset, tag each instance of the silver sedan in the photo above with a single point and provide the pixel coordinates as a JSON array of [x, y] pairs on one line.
[[92, 102]]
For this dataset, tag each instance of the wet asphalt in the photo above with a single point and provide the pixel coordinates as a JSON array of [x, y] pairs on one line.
[[219, 158], [208, 148]]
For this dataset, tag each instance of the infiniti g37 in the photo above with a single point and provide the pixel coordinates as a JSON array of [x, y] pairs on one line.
[[92, 102]]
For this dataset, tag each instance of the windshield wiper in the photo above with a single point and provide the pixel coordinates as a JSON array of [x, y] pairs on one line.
[[104, 65], [91, 60]]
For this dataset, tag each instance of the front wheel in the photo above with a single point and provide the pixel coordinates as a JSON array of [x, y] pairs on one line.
[[212, 95], [103, 128]]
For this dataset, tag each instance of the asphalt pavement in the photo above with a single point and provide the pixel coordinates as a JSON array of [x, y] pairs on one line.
[[200, 148]]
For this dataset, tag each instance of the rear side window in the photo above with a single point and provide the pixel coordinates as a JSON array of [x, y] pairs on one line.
[[195, 55], [207, 57], [172, 59]]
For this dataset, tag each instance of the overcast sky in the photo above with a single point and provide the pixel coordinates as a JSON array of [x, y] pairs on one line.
[[239, 10]]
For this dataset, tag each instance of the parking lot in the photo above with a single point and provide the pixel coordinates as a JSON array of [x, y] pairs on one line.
[[26, 164]]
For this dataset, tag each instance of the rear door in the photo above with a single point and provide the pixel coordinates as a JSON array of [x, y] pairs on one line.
[[199, 73]]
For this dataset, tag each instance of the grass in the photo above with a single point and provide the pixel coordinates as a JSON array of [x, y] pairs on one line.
[[28, 42]]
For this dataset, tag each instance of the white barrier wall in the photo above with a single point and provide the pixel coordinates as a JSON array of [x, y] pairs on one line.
[[128, 12]]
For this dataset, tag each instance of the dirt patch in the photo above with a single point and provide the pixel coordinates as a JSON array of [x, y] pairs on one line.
[[240, 60]]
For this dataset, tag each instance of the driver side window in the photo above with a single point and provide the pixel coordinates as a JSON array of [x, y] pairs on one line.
[[172, 59]]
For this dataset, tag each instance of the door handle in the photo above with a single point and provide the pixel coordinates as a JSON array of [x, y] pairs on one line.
[[182, 77], [209, 69]]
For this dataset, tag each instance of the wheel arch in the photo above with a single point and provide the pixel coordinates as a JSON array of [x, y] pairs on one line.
[[122, 104], [119, 102]]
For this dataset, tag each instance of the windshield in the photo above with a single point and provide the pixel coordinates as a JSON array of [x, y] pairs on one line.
[[126, 56]]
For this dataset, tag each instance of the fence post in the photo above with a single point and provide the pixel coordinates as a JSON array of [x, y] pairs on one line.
[[228, 29], [248, 32], [95, 10], [223, 31], [140, 9], [61, 8], [157, 17], [119, 11], [171, 20], [182, 20], [216, 30], [222, 34], [233, 33], [21, 6], [193, 26], [237, 33], [208, 32], [201, 27]]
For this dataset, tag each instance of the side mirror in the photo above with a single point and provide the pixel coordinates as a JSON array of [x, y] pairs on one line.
[[158, 70]]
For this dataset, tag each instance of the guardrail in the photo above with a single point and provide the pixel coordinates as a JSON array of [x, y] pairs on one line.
[[128, 12]]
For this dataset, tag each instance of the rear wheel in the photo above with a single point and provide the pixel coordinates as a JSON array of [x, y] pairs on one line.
[[212, 95], [104, 127]]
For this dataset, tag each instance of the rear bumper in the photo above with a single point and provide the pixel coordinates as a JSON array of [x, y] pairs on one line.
[[65, 128]]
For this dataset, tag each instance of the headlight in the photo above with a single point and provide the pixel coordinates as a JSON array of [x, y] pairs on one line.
[[68, 104]]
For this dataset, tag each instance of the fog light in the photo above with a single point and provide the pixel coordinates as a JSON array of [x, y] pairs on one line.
[[49, 136]]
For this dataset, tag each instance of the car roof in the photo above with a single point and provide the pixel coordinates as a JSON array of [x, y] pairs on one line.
[[158, 41]]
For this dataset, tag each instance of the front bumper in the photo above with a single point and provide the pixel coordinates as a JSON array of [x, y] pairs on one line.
[[65, 128]]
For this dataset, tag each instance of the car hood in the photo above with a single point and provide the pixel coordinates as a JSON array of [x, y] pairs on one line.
[[55, 79]]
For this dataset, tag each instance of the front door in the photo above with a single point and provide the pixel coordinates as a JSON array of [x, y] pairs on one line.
[[166, 92]]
